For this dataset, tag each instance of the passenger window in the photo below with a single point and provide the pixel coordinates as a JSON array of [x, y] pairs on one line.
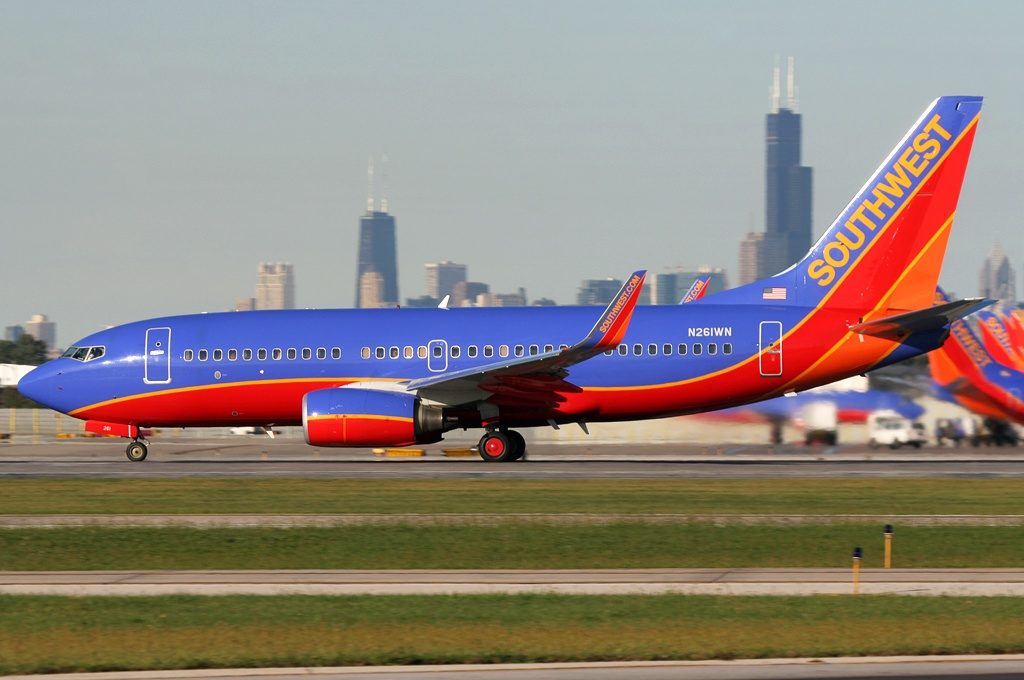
[[275, 354], [261, 354], [609, 352], [534, 350], [519, 350], [666, 349], [218, 354], [652, 349], [380, 352], [321, 353], [455, 351], [471, 351], [232, 355], [203, 355], [395, 352], [638, 349], [563, 347], [365, 352], [246, 355], [291, 354], [503, 351], [682, 349], [336, 352], [623, 350], [727, 348], [488, 351], [712, 348], [697, 348], [421, 351], [438, 351], [549, 348], [307, 353], [187, 356], [408, 352]]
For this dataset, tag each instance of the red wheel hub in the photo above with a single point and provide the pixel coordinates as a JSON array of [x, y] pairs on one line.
[[494, 447]]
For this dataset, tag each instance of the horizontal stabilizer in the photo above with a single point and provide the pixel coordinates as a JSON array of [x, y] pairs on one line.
[[922, 320]]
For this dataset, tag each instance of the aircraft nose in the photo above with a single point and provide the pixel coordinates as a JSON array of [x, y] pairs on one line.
[[40, 384]]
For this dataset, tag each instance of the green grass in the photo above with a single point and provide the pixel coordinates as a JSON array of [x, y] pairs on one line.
[[509, 546], [633, 496], [55, 634]]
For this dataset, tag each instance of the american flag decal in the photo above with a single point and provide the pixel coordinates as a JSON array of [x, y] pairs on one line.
[[775, 293]]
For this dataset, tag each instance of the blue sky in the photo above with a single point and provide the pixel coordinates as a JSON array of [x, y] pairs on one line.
[[154, 153]]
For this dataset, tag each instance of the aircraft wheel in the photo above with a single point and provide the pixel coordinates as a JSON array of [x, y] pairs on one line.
[[518, 444], [496, 447], [895, 445], [136, 452]]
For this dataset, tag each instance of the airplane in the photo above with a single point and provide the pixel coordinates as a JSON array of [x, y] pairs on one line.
[[861, 298], [995, 335], [968, 373]]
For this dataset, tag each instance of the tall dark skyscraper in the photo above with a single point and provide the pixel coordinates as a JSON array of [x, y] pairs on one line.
[[787, 206], [377, 251]]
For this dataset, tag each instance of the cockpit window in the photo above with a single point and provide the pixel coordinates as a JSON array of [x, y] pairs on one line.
[[83, 353]]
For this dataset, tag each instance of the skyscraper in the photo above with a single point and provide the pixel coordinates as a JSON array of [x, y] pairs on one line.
[[597, 291], [998, 280], [275, 286], [41, 328], [788, 186], [377, 251], [442, 277]]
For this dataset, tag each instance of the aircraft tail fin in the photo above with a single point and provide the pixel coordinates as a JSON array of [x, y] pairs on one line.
[[882, 255]]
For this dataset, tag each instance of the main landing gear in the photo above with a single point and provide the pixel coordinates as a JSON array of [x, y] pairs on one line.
[[137, 451], [502, 446]]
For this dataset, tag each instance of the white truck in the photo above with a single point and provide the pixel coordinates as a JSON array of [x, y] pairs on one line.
[[888, 428]]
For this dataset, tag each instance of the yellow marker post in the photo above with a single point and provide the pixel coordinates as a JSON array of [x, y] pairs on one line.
[[856, 570], [57, 423], [888, 547], [12, 418]]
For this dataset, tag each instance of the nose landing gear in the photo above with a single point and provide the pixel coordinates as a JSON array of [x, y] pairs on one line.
[[502, 446]]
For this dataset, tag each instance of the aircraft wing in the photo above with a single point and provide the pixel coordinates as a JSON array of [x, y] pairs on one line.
[[922, 320], [606, 334]]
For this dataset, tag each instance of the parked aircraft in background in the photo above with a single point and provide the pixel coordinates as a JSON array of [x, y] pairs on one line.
[[861, 298], [980, 375]]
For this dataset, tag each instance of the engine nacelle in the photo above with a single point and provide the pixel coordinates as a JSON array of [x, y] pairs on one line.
[[341, 416]]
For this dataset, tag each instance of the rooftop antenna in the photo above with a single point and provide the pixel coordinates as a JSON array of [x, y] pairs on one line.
[[384, 183], [775, 87], [369, 184], [790, 86]]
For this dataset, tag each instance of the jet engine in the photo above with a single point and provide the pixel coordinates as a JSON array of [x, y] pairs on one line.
[[340, 416]]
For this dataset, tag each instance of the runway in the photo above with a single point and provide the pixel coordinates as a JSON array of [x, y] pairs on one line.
[[980, 667], [933, 582], [489, 519], [261, 457]]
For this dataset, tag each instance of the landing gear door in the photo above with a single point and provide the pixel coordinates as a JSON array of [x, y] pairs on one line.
[[158, 356], [770, 348]]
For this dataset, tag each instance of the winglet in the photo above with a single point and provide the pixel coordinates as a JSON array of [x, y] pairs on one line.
[[698, 290], [611, 326]]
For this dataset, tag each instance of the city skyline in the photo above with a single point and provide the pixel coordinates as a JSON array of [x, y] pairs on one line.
[[597, 142]]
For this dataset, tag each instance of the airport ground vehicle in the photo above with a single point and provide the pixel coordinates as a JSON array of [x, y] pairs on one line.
[[888, 428]]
